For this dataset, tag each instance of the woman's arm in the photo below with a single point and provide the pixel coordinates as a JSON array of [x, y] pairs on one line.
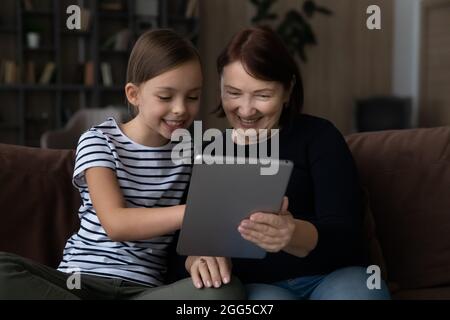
[[127, 224], [332, 235], [304, 239]]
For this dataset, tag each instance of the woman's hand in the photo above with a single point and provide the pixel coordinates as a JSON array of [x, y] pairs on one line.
[[209, 271], [272, 232]]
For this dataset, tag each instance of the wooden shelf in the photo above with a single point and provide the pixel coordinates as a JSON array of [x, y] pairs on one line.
[[39, 87], [9, 127], [8, 29], [75, 87], [38, 12], [117, 52], [45, 49], [76, 33], [46, 87], [69, 50], [113, 88], [9, 87], [114, 15]]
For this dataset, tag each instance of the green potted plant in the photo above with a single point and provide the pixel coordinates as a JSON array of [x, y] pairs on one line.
[[294, 28]]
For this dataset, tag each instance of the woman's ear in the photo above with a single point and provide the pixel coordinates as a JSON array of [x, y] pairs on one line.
[[132, 93]]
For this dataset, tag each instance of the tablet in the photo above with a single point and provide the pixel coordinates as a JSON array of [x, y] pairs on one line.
[[220, 196]]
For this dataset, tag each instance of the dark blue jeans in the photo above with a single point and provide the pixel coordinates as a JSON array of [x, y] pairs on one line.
[[343, 284]]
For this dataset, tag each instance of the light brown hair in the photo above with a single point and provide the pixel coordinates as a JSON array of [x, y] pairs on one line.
[[157, 51]]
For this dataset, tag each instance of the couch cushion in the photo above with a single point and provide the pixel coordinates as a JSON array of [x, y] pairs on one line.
[[38, 204], [407, 175]]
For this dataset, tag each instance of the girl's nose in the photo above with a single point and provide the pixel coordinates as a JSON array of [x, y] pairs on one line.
[[179, 108]]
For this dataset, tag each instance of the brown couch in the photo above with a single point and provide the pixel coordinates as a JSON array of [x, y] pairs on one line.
[[406, 175]]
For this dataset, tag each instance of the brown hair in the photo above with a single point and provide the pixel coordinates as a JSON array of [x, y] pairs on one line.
[[264, 56], [157, 51]]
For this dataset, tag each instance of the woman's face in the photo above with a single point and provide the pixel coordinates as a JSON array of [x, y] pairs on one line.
[[251, 103]]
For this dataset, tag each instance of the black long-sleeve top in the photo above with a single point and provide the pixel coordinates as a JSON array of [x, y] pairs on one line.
[[323, 189]]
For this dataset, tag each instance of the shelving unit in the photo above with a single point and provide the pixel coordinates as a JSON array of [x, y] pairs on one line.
[[29, 109]]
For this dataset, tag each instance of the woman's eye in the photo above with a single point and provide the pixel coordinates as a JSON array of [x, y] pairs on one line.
[[263, 96], [164, 98], [193, 98], [233, 93]]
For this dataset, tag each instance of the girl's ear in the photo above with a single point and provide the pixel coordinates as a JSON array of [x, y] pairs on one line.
[[132, 93]]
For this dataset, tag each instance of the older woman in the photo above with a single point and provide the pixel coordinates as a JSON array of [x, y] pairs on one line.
[[314, 243]]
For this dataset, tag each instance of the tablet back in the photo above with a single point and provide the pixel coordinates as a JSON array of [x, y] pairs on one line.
[[222, 195]]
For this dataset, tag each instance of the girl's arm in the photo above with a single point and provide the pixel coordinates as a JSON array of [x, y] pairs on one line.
[[127, 224]]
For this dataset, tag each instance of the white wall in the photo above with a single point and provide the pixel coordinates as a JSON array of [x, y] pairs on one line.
[[406, 48]]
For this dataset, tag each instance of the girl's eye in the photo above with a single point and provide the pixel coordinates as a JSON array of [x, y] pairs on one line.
[[163, 98], [263, 96], [193, 98]]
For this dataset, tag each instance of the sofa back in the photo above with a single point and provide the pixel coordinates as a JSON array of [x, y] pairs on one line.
[[406, 174], [37, 201], [407, 177]]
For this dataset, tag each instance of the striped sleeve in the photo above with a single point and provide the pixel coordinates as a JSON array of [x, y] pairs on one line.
[[93, 150]]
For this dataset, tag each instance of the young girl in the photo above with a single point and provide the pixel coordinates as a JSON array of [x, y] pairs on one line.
[[130, 189]]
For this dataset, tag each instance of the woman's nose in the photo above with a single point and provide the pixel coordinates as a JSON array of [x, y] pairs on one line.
[[246, 110]]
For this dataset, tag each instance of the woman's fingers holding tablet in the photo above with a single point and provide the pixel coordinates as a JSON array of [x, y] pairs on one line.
[[271, 232]]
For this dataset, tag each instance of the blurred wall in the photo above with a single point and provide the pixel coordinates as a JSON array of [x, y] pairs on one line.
[[435, 63], [406, 48], [349, 61]]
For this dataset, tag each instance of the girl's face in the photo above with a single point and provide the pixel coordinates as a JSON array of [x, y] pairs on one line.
[[251, 103], [168, 101]]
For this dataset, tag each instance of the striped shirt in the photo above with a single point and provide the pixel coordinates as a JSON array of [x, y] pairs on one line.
[[147, 178]]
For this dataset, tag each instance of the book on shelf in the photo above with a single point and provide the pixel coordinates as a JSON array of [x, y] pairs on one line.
[[119, 41], [48, 73], [89, 73], [122, 40], [28, 5], [177, 8], [8, 72], [149, 8], [31, 73], [192, 9], [112, 5], [106, 72], [85, 19]]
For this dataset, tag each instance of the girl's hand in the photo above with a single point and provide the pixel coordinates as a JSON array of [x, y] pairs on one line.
[[272, 232], [209, 271]]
